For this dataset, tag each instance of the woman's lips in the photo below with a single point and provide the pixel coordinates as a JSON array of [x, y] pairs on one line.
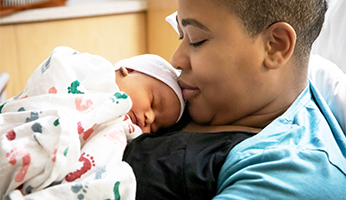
[[189, 91]]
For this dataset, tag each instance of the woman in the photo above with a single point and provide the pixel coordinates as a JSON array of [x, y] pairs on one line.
[[258, 128]]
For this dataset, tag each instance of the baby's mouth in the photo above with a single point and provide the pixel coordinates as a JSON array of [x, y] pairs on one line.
[[135, 119]]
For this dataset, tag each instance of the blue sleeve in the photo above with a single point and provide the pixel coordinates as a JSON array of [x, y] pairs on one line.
[[287, 173]]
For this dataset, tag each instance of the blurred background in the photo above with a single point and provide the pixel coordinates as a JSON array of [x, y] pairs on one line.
[[113, 29]]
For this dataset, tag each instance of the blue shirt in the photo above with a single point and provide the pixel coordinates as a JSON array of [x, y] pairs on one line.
[[300, 155]]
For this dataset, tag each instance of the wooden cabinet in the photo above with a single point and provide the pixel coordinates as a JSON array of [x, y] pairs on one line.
[[162, 38], [9, 59], [24, 46]]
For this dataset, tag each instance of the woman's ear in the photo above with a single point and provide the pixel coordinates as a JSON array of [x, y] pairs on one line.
[[123, 71], [280, 40]]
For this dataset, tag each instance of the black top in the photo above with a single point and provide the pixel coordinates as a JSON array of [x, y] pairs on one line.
[[180, 165]]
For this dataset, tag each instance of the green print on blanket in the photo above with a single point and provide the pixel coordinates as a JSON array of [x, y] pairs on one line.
[[56, 122], [118, 95], [66, 151], [73, 88], [2, 106], [81, 190], [116, 191]]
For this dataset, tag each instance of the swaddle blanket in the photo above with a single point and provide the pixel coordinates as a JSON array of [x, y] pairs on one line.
[[64, 136]]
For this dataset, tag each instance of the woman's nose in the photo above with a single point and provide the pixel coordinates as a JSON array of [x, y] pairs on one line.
[[180, 59]]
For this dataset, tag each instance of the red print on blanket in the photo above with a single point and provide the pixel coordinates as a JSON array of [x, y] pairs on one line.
[[19, 153], [88, 162], [24, 97], [87, 133], [11, 135], [52, 90], [82, 107], [117, 138], [54, 155], [131, 127]]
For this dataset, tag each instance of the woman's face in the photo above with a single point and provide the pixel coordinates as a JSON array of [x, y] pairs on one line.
[[221, 65]]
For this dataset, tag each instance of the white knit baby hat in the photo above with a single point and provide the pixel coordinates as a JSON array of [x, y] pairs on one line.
[[157, 67]]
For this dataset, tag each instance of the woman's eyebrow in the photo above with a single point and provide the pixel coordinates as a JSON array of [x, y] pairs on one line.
[[193, 22]]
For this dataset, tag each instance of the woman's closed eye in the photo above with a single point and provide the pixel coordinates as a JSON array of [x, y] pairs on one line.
[[194, 44], [197, 44]]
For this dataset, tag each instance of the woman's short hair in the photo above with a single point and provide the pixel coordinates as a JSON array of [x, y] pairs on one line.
[[305, 16]]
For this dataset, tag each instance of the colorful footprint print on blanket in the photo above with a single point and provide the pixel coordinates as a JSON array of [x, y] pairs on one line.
[[82, 107], [1, 106], [88, 162], [73, 88], [116, 191], [118, 95], [46, 65], [87, 133], [52, 90], [19, 153], [80, 189], [33, 116], [11, 135], [117, 138]]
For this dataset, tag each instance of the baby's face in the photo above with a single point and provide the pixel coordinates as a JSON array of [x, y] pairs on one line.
[[154, 104]]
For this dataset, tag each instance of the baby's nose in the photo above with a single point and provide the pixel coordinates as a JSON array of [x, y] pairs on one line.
[[149, 117]]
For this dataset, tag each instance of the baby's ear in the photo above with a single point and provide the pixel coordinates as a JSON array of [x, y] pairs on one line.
[[280, 39], [124, 71]]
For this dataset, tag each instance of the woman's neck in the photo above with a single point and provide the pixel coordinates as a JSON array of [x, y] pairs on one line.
[[194, 127]]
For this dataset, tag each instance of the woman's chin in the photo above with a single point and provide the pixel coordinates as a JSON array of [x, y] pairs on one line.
[[199, 115]]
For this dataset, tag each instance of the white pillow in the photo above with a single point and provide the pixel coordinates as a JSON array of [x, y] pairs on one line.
[[331, 43], [172, 19], [331, 82]]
